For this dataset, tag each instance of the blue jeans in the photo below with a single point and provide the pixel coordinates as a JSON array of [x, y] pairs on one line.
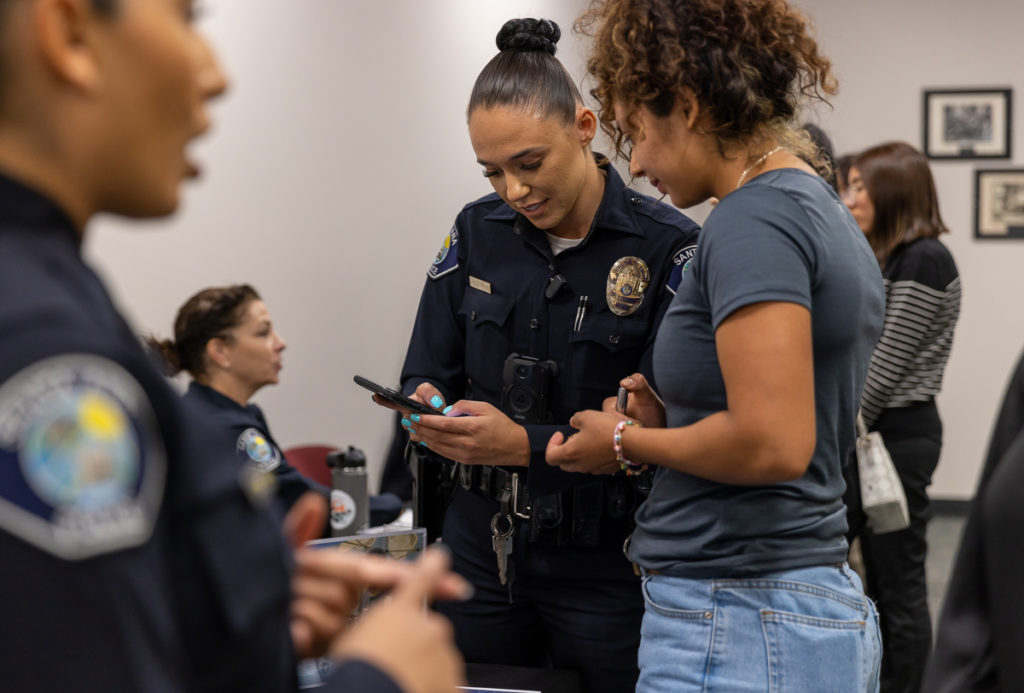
[[808, 630]]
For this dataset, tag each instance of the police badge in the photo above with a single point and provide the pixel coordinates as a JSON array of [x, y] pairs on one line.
[[628, 280]]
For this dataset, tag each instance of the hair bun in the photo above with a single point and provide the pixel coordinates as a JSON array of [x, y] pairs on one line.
[[527, 35]]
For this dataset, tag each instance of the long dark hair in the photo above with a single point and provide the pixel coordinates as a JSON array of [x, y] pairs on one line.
[[902, 190], [526, 74], [212, 313]]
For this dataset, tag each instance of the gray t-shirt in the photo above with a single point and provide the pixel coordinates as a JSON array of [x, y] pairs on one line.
[[784, 236]]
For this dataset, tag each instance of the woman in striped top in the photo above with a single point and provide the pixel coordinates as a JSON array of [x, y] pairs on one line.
[[892, 196]]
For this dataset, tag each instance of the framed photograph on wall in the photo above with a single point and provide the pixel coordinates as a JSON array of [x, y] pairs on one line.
[[967, 123], [999, 203]]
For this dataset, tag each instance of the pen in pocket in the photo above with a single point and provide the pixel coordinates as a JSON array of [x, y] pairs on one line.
[[581, 312]]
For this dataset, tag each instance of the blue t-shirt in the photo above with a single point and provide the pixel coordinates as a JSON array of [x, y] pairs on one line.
[[784, 236]]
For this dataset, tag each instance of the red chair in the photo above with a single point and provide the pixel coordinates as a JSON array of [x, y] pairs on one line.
[[311, 461]]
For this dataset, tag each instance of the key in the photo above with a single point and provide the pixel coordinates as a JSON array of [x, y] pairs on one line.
[[501, 541]]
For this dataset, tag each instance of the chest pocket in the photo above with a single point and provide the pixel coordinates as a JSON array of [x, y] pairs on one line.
[[488, 340], [606, 349]]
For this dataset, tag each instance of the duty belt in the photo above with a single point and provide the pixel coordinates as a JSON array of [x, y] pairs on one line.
[[492, 483]]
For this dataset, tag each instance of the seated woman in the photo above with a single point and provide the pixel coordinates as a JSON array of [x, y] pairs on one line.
[[224, 339]]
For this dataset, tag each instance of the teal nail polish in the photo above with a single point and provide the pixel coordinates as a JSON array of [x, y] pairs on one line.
[[405, 422], [423, 443], [415, 417], [412, 431], [436, 401], [447, 409]]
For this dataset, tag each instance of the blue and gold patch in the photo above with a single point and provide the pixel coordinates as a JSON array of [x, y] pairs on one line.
[[81, 464], [258, 451], [680, 264], [447, 258]]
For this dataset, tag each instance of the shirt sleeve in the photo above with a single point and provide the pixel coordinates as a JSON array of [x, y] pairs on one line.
[[436, 351], [754, 249], [916, 300]]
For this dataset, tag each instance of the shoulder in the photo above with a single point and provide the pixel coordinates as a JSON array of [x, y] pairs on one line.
[[926, 261], [482, 216], [81, 438], [651, 212], [484, 206]]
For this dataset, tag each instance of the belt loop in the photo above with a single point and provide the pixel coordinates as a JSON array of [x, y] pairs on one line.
[[487, 481], [519, 493], [465, 476]]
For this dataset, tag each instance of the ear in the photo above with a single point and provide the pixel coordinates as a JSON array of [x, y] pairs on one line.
[[688, 107], [585, 124], [218, 353], [64, 31]]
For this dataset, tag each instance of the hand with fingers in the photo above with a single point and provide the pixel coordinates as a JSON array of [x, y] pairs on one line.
[[404, 638], [589, 450], [473, 432], [327, 585], [643, 405]]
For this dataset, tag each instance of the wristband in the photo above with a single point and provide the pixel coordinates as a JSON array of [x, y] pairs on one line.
[[630, 468]]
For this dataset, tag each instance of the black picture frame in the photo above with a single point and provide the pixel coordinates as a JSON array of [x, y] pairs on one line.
[[967, 123], [999, 204]]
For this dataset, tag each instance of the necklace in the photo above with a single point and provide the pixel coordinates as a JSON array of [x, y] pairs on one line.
[[761, 160]]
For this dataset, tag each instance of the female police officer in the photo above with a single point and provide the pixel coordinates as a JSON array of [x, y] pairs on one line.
[[134, 560], [542, 296]]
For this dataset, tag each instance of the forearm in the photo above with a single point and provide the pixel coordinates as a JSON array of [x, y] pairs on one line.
[[720, 448]]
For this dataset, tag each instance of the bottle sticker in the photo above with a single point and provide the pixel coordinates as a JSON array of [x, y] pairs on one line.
[[343, 509]]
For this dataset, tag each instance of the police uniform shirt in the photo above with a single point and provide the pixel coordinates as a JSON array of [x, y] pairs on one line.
[[251, 439], [496, 288], [136, 557]]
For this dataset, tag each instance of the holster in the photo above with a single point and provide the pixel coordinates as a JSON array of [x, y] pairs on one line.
[[434, 482]]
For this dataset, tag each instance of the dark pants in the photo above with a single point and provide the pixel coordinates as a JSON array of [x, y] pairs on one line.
[[894, 562], [572, 608]]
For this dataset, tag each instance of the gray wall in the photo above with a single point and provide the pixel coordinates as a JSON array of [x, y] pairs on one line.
[[340, 158]]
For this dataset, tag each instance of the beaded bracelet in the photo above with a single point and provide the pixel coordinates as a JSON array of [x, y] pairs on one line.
[[630, 468]]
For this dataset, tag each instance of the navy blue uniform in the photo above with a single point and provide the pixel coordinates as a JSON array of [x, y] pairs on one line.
[[138, 557], [251, 438], [494, 289]]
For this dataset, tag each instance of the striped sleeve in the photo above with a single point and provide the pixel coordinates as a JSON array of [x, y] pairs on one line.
[[908, 363]]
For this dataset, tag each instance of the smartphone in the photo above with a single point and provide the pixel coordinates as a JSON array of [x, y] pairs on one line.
[[395, 397]]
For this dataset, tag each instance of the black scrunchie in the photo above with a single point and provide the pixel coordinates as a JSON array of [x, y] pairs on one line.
[[527, 35]]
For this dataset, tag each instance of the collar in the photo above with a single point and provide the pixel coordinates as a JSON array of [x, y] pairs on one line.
[[217, 399], [613, 213], [21, 205]]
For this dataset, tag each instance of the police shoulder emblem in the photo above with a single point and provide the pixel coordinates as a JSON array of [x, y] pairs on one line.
[[681, 262], [447, 258], [82, 466], [628, 280], [257, 450]]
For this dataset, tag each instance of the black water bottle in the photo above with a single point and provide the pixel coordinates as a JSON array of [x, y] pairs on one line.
[[350, 511]]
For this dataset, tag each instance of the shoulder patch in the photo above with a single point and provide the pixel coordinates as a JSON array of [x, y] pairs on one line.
[[680, 264], [82, 465], [257, 450], [447, 258]]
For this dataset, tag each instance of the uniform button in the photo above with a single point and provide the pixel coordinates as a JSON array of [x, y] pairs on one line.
[[551, 267], [613, 338], [534, 324], [636, 200], [472, 316], [519, 231]]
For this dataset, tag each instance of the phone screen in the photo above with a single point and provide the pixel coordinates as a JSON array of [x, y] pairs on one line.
[[394, 396]]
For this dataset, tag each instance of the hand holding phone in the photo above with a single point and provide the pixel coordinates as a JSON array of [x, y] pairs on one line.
[[394, 396]]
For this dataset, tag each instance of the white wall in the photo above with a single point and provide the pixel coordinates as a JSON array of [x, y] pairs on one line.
[[885, 53], [340, 159], [335, 169]]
